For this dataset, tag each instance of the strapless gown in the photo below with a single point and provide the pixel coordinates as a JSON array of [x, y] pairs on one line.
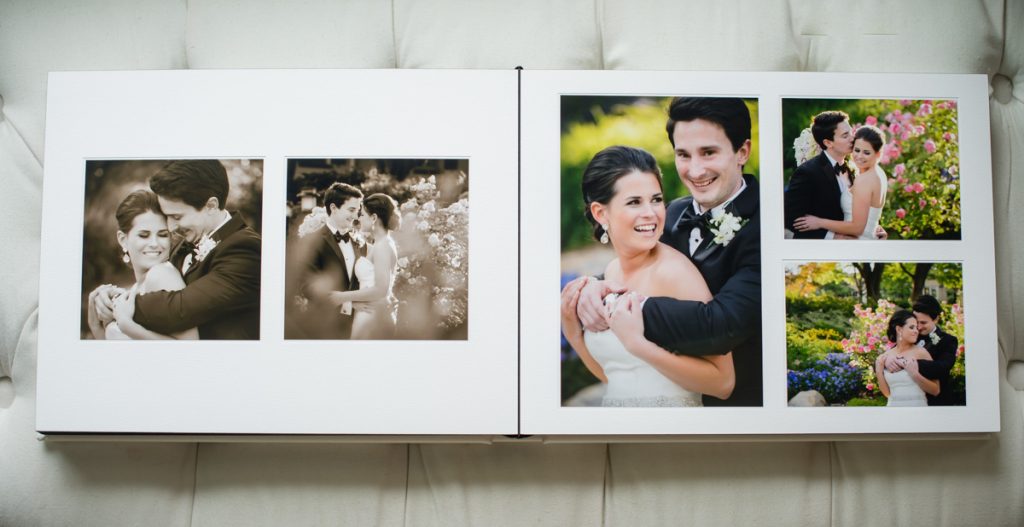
[[903, 391], [874, 213], [631, 381]]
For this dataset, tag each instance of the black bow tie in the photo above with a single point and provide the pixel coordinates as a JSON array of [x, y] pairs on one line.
[[186, 247], [341, 237], [840, 168], [690, 219]]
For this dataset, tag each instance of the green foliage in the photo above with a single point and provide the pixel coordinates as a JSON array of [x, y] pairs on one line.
[[867, 401], [825, 312], [575, 375], [633, 121], [808, 345]]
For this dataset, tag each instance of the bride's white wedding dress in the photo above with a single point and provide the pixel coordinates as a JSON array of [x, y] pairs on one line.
[[631, 381], [874, 213], [375, 319], [903, 391]]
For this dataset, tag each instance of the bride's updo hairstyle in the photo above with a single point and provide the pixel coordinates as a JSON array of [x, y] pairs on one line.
[[385, 208], [605, 169], [898, 319], [872, 134], [134, 204]]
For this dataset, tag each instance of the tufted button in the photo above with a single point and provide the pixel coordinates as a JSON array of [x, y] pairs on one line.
[[6, 392], [1015, 374], [1002, 88]]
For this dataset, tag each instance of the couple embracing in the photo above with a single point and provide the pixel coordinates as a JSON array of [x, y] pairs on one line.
[[343, 269], [676, 318], [207, 286], [826, 198]]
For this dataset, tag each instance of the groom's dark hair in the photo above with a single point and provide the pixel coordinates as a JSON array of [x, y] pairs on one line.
[[338, 193], [730, 113], [192, 181], [928, 305], [823, 126]]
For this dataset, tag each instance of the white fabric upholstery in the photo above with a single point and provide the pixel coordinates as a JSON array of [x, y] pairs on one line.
[[810, 483]]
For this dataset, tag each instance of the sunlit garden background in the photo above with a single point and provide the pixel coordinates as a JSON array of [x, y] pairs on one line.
[[836, 320], [921, 158], [589, 125]]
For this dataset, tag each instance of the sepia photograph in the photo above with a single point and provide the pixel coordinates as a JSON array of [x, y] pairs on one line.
[[171, 249], [660, 252], [871, 169], [875, 334], [377, 249]]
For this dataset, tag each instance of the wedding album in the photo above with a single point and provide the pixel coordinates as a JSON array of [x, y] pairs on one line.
[[572, 255]]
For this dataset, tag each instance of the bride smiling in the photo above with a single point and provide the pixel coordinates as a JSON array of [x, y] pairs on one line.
[[623, 196]]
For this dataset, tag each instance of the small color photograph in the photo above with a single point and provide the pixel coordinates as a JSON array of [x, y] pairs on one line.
[[871, 169], [875, 334]]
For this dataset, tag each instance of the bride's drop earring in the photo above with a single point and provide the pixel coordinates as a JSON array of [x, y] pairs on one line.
[[125, 258], [604, 235]]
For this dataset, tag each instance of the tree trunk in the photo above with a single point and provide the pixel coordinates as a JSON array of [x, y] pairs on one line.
[[872, 275], [921, 271]]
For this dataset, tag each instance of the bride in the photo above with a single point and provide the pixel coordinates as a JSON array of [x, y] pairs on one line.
[[906, 387], [374, 305], [863, 198], [145, 245], [623, 195]]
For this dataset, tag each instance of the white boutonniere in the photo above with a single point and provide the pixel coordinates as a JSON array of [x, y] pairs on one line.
[[934, 337], [725, 225], [204, 247]]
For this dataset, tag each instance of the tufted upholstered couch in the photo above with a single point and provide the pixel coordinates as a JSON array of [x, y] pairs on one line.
[[915, 482]]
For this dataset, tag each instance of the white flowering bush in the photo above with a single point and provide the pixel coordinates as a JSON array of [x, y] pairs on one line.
[[433, 249]]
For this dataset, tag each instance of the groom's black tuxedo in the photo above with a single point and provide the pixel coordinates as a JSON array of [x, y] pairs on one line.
[[222, 292], [731, 321], [813, 189], [943, 356], [319, 269]]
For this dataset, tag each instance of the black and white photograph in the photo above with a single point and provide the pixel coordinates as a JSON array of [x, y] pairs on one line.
[[171, 250], [661, 256], [377, 249]]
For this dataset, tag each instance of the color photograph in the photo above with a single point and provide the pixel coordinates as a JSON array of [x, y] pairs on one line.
[[871, 169], [875, 334], [661, 257]]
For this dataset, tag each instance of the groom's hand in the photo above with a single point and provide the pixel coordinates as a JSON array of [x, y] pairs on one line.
[[590, 308], [894, 364], [104, 301]]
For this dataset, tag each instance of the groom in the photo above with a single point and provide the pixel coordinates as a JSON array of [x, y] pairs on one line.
[[718, 226], [816, 186], [219, 258], [940, 345], [325, 263]]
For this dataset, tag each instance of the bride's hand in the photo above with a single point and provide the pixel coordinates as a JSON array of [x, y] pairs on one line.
[[807, 223], [626, 319], [590, 309], [92, 317], [571, 327], [124, 308], [880, 233]]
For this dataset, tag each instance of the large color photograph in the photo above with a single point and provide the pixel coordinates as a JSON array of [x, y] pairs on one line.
[[171, 249], [871, 169], [661, 259], [875, 334], [377, 249]]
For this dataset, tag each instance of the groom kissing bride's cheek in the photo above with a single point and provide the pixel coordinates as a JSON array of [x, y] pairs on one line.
[[706, 343]]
